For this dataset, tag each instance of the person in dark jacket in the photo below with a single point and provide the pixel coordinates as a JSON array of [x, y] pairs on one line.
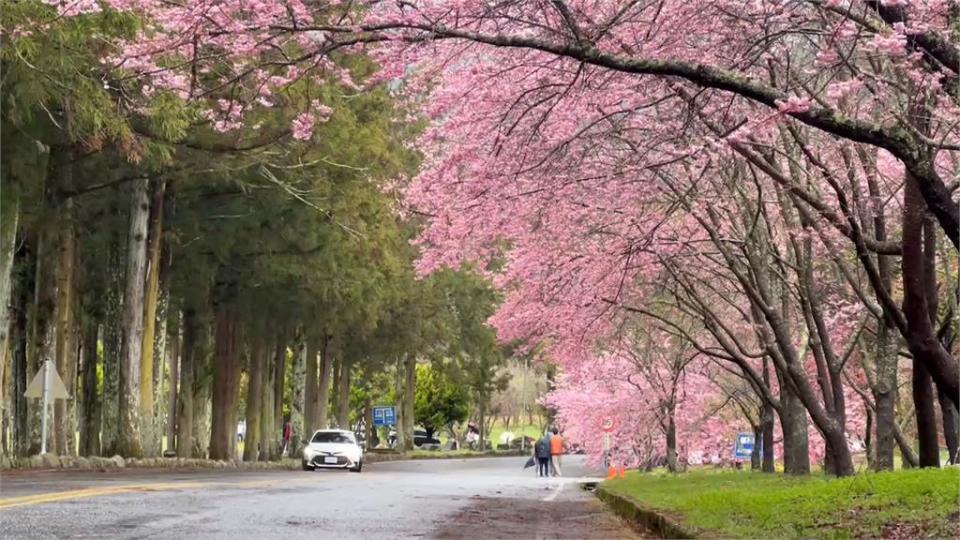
[[542, 452]]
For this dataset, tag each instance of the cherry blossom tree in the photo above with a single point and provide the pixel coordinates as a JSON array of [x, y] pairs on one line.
[[744, 162]]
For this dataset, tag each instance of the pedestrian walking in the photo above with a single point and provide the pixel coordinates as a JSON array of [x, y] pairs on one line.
[[542, 453], [556, 450]]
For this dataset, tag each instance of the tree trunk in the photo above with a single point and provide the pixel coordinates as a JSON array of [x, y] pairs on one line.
[[793, 423], [129, 437], [481, 413], [187, 359], [884, 386], [112, 340], [951, 427], [921, 340], [885, 397], [255, 386], [368, 421], [767, 424], [926, 416], [42, 342], [297, 433], [9, 219], [343, 396], [151, 297], [279, 384], [917, 271], [334, 388], [201, 419], [410, 389], [173, 380], [226, 379], [65, 349], [868, 446], [908, 457], [755, 454], [20, 336], [671, 441], [323, 396], [311, 404], [268, 433], [90, 421], [398, 392], [161, 355], [769, 465]]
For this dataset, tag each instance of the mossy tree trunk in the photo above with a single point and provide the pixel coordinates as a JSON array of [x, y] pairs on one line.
[[296, 406], [279, 384], [90, 418], [268, 430], [255, 386], [173, 381], [226, 379], [323, 396], [150, 301], [343, 396], [310, 389], [185, 405], [9, 218], [112, 345], [129, 439]]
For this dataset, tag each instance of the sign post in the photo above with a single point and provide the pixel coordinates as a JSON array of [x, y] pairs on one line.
[[607, 425], [743, 447], [384, 415], [46, 385]]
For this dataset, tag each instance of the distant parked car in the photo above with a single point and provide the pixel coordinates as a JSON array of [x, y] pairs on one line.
[[333, 449], [525, 442], [420, 440]]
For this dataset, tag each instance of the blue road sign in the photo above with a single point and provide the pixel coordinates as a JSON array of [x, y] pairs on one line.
[[385, 415], [743, 447]]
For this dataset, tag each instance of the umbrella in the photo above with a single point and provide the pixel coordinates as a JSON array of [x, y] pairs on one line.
[[530, 463]]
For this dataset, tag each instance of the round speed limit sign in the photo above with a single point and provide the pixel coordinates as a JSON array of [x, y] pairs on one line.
[[608, 424]]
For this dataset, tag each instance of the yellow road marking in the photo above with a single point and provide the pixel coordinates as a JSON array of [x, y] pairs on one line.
[[40, 498]]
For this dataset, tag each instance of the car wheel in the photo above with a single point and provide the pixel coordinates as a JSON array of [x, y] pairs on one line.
[[358, 468], [305, 466]]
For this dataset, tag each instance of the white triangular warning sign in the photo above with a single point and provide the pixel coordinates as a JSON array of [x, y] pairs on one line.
[[57, 388]]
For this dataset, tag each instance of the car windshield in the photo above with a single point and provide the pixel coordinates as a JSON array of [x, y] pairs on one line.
[[332, 437]]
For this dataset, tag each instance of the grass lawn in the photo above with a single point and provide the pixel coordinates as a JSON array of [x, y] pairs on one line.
[[902, 504], [529, 430]]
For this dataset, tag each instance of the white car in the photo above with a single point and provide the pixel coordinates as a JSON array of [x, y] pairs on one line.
[[333, 449]]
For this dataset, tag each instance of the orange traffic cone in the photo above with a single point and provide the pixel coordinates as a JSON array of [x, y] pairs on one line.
[[623, 471], [611, 472]]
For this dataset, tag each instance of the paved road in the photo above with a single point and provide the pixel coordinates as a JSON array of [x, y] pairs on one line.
[[465, 498]]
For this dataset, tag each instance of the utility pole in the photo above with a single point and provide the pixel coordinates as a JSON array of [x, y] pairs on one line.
[[46, 406]]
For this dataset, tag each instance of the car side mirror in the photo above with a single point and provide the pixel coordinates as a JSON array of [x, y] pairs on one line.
[[304, 441]]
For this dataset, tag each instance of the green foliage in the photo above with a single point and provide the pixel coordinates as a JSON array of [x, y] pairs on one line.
[[52, 69], [912, 503], [470, 300], [438, 401]]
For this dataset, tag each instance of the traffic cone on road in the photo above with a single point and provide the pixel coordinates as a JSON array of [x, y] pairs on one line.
[[623, 471], [611, 472]]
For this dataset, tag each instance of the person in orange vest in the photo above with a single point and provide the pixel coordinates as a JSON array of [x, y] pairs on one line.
[[556, 450]]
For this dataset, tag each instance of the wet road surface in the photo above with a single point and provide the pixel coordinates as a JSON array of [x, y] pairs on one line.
[[462, 498]]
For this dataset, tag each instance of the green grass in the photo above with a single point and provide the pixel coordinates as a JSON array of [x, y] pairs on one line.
[[909, 503], [517, 430]]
